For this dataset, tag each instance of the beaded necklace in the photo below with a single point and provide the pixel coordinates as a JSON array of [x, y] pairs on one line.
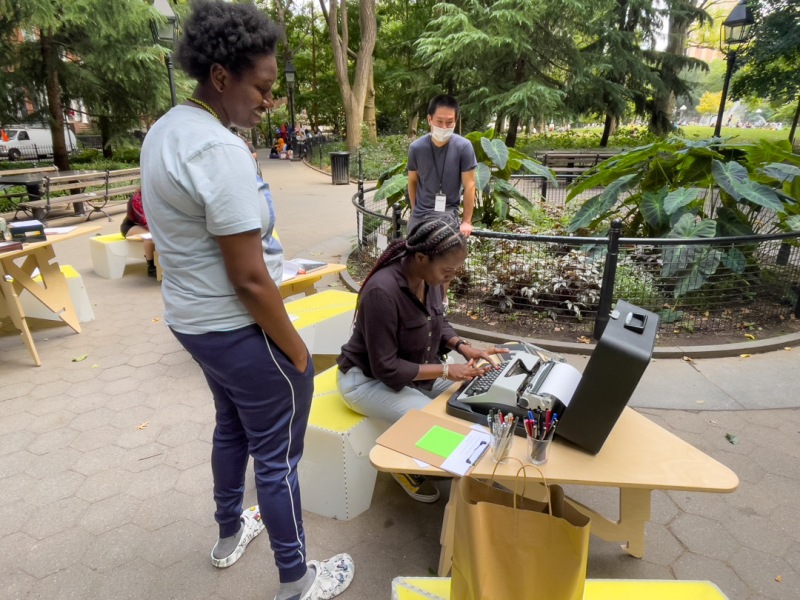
[[204, 106]]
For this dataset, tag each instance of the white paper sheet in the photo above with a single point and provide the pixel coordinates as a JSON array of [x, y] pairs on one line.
[[467, 453], [561, 382], [421, 464], [290, 270], [59, 230]]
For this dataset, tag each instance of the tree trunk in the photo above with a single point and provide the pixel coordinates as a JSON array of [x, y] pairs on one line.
[[498, 124], [369, 107], [664, 100], [53, 91], [794, 123], [353, 96], [607, 130], [105, 136], [413, 124], [511, 136]]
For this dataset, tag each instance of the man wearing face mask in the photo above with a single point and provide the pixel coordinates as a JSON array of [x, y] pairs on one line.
[[440, 165]]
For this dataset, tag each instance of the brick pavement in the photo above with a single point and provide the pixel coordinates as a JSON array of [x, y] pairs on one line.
[[105, 486]]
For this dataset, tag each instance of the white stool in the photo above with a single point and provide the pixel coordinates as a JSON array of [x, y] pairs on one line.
[[77, 293], [336, 477], [324, 320], [110, 254]]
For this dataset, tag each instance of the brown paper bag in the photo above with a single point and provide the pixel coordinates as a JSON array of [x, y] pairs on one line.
[[507, 547]]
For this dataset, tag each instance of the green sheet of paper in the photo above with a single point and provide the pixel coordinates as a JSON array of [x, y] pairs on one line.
[[440, 441]]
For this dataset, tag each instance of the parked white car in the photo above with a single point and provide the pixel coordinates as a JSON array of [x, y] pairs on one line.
[[32, 142]]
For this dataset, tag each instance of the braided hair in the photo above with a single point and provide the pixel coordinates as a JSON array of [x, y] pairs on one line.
[[432, 237]]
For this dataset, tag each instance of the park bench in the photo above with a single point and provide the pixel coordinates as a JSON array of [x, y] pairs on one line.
[[13, 199], [95, 188], [568, 166]]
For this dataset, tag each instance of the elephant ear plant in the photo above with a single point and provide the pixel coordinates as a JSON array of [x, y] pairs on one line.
[[496, 199], [678, 188]]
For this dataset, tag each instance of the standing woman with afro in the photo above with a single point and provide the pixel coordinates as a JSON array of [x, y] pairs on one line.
[[212, 222]]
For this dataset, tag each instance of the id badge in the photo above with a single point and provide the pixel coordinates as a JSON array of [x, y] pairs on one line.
[[441, 203]]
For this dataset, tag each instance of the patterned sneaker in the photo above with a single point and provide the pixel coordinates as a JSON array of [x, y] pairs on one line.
[[333, 577], [416, 486], [252, 526]]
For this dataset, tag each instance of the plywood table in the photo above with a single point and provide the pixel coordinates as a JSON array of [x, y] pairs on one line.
[[304, 283], [638, 457], [17, 272]]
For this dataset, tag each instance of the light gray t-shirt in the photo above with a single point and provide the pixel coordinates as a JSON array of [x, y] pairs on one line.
[[199, 181], [435, 166]]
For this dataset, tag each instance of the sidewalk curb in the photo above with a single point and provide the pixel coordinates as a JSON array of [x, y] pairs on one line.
[[706, 351]]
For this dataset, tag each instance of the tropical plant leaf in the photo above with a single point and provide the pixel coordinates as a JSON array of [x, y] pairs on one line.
[[793, 222], [598, 206], [781, 171], [508, 191], [652, 208], [482, 176], [669, 315], [500, 207], [734, 259], [535, 168], [676, 259], [760, 194], [689, 227], [389, 191], [391, 172], [679, 198], [496, 150], [727, 175], [732, 223], [700, 270]]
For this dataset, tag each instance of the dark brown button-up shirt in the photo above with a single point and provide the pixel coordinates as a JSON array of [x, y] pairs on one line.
[[394, 332]]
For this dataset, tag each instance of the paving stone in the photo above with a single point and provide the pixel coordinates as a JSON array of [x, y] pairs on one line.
[[152, 482], [55, 517], [141, 433], [703, 536], [148, 372], [87, 395], [117, 547], [169, 507], [180, 433], [189, 454], [57, 552], [759, 570], [101, 459], [782, 489], [16, 583], [177, 357], [16, 487], [699, 567], [55, 487], [117, 373], [14, 463], [144, 457], [130, 581], [121, 386], [99, 437], [75, 582], [46, 390], [176, 542], [52, 440], [52, 463], [191, 579], [125, 401], [14, 549], [13, 515], [104, 485], [51, 421], [80, 374], [14, 423], [109, 514], [16, 390], [196, 480], [792, 557], [92, 419]]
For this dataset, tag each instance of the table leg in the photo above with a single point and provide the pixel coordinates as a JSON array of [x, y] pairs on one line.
[[14, 307], [634, 512], [448, 531]]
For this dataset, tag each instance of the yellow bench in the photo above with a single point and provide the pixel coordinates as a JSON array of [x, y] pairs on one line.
[[438, 588], [336, 477], [110, 254], [32, 307], [323, 320]]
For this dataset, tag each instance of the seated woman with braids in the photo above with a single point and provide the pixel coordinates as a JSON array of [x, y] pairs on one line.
[[393, 361]]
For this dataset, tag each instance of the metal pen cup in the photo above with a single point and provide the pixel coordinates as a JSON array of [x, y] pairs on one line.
[[539, 450]]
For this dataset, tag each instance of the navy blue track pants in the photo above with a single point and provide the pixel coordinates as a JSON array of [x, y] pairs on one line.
[[262, 403]]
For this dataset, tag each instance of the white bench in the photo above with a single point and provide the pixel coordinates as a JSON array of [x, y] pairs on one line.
[[110, 254], [77, 292], [336, 477]]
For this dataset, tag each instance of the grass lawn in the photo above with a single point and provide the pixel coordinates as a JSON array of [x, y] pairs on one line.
[[701, 132]]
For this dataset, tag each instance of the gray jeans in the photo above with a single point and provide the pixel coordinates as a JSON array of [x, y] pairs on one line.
[[372, 398]]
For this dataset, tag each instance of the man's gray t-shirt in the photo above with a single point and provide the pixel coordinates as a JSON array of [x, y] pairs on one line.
[[439, 165], [199, 182]]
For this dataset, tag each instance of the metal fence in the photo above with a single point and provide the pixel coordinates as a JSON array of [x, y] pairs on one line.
[[532, 284]]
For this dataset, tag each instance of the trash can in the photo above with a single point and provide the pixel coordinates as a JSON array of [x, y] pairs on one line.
[[340, 167]]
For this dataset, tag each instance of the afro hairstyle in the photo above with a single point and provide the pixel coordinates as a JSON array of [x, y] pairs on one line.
[[231, 35]]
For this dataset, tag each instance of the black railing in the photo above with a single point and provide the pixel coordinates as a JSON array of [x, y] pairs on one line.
[[519, 282]]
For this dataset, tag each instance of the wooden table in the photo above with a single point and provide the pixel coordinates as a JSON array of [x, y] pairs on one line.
[[16, 274], [304, 283], [637, 458]]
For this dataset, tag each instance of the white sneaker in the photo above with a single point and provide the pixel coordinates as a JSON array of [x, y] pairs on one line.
[[252, 525], [333, 577]]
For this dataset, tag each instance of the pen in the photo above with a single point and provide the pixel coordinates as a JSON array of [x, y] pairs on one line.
[[479, 450]]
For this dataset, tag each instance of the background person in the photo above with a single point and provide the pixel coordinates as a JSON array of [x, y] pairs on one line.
[[213, 225], [135, 223], [440, 165], [393, 362]]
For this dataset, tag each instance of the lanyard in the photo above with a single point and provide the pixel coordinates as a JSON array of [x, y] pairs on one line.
[[439, 174]]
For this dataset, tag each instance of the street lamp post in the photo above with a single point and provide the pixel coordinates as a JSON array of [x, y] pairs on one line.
[[735, 31], [290, 73], [166, 33]]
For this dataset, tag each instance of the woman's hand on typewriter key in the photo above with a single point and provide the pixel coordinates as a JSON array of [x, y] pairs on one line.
[[466, 371], [473, 353]]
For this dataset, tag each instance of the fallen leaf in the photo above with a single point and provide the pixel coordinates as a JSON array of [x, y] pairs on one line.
[[699, 401], [473, 317], [80, 358], [713, 422], [779, 578], [156, 319], [749, 336], [95, 366], [788, 348], [142, 425], [744, 356], [584, 340], [687, 359], [733, 439]]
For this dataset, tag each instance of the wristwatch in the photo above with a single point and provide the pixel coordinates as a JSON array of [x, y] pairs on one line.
[[459, 343]]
